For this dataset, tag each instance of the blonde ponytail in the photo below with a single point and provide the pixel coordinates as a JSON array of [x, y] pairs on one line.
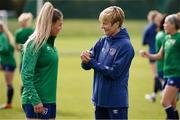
[[43, 26]]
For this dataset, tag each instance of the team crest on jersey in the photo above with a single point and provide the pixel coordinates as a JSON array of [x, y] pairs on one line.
[[104, 50], [48, 48], [172, 41], [112, 51]]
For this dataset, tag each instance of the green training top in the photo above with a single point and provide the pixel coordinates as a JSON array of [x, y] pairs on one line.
[[6, 51], [159, 41], [22, 34], [172, 55], [39, 73]]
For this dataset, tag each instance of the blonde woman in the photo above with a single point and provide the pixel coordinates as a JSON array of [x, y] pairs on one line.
[[40, 65], [110, 58], [7, 62], [171, 67], [22, 34], [25, 30]]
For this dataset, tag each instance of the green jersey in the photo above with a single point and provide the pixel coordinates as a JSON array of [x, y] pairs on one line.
[[39, 73], [172, 55], [22, 35], [6, 51], [159, 42]]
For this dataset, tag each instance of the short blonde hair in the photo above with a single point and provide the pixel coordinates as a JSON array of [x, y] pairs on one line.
[[152, 15], [26, 18], [113, 15]]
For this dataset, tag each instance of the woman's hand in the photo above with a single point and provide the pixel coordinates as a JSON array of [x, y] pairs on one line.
[[144, 53], [38, 108], [85, 56]]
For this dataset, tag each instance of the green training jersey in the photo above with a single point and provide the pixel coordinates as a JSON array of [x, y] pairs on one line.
[[22, 35], [6, 51], [39, 73], [159, 42], [172, 55]]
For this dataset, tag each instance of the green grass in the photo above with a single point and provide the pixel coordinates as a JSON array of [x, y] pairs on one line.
[[75, 85]]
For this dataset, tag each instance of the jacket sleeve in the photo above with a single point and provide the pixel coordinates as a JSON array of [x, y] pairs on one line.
[[4, 45], [121, 62], [28, 70], [145, 36], [87, 66]]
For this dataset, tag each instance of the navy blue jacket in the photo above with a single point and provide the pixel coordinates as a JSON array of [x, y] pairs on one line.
[[111, 60], [149, 37]]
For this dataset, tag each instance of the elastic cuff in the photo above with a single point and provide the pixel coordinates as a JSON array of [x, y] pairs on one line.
[[92, 62]]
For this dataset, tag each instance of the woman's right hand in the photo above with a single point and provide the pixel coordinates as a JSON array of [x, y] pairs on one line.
[[38, 108], [86, 56], [144, 53]]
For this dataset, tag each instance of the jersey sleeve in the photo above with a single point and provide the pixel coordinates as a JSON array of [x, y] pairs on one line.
[[30, 58], [3, 45]]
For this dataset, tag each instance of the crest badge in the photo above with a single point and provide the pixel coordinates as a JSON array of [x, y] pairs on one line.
[[112, 51]]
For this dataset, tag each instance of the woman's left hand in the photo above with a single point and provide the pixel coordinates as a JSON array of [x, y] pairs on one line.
[[38, 108]]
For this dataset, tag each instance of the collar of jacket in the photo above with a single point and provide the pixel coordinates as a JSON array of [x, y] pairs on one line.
[[51, 40], [122, 34]]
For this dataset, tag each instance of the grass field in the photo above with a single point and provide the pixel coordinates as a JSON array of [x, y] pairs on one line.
[[75, 85]]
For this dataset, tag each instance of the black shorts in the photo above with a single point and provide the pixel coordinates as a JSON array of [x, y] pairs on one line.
[[174, 81], [10, 68], [48, 113], [115, 113], [161, 75], [152, 61]]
